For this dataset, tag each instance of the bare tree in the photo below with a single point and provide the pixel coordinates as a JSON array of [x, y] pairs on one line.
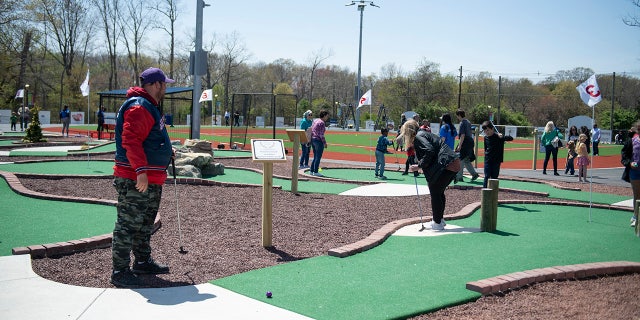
[[632, 21], [169, 9], [68, 21], [316, 59], [109, 12], [135, 23], [234, 56]]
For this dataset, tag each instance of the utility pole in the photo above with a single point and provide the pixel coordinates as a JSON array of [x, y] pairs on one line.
[[499, 98], [613, 96], [460, 87]]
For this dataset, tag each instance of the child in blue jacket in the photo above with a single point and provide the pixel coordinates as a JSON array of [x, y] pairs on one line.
[[381, 150]]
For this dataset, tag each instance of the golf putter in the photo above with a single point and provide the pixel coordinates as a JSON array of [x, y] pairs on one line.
[[175, 189]]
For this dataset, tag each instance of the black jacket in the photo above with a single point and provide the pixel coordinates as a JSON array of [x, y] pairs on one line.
[[626, 154], [494, 147], [432, 154]]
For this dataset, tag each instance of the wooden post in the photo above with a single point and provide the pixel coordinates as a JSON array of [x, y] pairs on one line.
[[297, 136], [295, 165], [494, 185], [267, 151], [267, 201], [636, 209], [535, 148], [486, 210]]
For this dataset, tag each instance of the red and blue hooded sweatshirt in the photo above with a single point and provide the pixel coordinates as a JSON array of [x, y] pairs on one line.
[[142, 141]]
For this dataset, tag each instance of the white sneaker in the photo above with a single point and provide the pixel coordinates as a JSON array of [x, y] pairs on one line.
[[443, 223], [633, 221], [437, 226]]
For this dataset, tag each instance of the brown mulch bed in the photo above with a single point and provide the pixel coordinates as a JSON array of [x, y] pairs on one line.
[[221, 229]]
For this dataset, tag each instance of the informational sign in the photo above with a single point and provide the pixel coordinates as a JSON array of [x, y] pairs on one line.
[[5, 116], [77, 117], [260, 122], [279, 122], [44, 116], [268, 150], [110, 118], [511, 131]]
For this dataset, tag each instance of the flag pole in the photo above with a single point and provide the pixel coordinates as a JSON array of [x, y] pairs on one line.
[[593, 117]]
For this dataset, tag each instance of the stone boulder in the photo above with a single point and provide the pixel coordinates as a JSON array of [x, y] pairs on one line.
[[198, 146], [195, 159], [213, 169]]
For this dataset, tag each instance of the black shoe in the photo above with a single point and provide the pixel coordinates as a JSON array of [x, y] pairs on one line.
[[544, 172], [405, 173], [149, 267], [125, 279], [556, 173], [475, 177]]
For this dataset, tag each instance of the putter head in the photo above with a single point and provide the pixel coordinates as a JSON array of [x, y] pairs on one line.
[[182, 250], [421, 228]]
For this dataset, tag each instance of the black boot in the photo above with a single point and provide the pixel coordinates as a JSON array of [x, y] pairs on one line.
[[149, 267]]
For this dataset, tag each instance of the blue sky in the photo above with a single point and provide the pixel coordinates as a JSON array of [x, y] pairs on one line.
[[509, 38]]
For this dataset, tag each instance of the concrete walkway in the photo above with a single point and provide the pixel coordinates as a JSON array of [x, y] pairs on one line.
[[24, 295]]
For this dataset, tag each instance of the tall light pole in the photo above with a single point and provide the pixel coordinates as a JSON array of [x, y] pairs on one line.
[[25, 102], [198, 68], [361, 4]]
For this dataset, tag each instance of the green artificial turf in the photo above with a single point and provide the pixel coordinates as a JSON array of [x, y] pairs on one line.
[[406, 276], [555, 193], [28, 221], [79, 167], [5, 143], [252, 177], [102, 148], [37, 153]]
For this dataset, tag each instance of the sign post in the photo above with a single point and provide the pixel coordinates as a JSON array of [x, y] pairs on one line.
[[267, 151], [298, 136]]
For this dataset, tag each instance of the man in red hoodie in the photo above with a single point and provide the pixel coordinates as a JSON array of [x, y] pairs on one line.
[[143, 153]]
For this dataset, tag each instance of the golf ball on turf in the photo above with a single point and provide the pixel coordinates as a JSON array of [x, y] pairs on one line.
[[269, 294]]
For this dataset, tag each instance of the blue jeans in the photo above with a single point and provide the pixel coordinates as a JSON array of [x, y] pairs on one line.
[[380, 163], [491, 171], [304, 158], [318, 148]]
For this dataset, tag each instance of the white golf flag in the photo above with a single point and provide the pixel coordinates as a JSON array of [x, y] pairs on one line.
[[590, 92], [84, 87], [365, 100], [20, 94], [206, 95]]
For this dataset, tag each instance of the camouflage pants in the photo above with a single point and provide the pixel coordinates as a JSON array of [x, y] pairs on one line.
[[136, 213]]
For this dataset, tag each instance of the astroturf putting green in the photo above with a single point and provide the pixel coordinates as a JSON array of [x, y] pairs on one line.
[[28, 221], [310, 186], [76, 167], [37, 153], [406, 276]]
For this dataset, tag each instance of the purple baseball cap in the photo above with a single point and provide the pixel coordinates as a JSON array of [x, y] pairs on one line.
[[152, 75]]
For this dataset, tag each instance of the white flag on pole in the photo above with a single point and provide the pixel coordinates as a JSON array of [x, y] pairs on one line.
[[365, 100], [20, 94], [206, 95], [590, 92], [84, 87]]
